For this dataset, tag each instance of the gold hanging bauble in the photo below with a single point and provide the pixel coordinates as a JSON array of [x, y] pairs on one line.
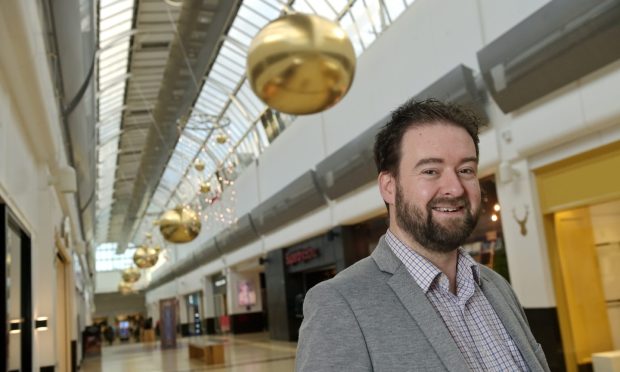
[[180, 225], [131, 275], [145, 256], [125, 288], [199, 165], [205, 187], [221, 138], [301, 64]]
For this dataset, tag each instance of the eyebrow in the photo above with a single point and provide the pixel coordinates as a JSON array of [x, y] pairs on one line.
[[425, 161]]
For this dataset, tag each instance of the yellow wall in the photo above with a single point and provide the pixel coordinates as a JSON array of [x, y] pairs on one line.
[[579, 269], [589, 178]]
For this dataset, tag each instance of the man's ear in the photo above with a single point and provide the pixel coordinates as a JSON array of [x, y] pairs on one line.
[[387, 187]]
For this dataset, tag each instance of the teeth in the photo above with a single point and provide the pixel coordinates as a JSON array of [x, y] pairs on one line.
[[446, 209]]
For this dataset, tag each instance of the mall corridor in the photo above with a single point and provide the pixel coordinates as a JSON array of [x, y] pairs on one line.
[[176, 176], [250, 353]]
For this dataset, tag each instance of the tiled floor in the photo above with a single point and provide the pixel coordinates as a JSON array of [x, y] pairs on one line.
[[243, 353]]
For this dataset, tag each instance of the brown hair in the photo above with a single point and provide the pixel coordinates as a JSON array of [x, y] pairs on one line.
[[417, 113]]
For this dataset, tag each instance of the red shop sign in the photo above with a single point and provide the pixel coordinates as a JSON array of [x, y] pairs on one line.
[[302, 255]]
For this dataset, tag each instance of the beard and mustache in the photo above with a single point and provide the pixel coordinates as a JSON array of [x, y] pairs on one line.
[[429, 233]]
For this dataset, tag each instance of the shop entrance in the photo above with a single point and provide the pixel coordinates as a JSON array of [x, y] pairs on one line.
[[194, 313], [300, 284], [580, 200], [313, 278], [221, 314]]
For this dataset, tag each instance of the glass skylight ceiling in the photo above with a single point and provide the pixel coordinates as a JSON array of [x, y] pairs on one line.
[[115, 19], [225, 95], [106, 258]]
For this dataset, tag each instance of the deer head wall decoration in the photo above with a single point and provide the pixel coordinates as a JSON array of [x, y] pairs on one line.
[[521, 221]]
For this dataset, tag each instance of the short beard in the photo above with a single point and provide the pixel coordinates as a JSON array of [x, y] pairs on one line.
[[428, 233]]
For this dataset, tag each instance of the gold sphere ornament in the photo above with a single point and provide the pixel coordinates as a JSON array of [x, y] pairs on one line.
[[125, 288], [199, 165], [301, 64], [180, 225], [205, 187], [131, 275], [146, 256], [221, 138]]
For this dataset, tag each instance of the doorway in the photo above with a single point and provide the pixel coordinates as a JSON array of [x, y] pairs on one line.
[[16, 274], [312, 278], [580, 202], [222, 324], [193, 304]]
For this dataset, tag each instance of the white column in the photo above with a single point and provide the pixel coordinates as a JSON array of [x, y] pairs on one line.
[[526, 247]]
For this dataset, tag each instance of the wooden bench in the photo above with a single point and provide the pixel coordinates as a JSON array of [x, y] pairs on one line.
[[209, 351], [147, 335]]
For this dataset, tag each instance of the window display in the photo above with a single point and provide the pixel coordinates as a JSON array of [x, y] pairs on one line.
[[246, 295]]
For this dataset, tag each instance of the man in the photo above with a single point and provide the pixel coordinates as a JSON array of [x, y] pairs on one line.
[[109, 334], [419, 302]]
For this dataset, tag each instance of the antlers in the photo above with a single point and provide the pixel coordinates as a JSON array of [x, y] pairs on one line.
[[522, 221]]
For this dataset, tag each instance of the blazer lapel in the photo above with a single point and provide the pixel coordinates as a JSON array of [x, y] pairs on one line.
[[421, 310], [513, 325]]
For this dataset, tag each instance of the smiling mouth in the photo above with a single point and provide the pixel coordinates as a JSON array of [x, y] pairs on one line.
[[448, 209]]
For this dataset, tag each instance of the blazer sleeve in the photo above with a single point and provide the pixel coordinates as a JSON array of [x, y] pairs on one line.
[[330, 338]]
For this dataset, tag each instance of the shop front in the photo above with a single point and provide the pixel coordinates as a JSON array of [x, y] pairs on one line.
[[580, 202], [291, 272]]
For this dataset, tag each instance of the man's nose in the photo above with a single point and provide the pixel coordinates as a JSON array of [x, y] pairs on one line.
[[451, 184]]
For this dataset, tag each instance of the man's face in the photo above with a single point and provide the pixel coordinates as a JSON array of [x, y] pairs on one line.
[[437, 193]]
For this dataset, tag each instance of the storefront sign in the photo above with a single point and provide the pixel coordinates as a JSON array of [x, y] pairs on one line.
[[302, 255]]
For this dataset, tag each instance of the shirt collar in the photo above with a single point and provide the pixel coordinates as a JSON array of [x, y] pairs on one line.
[[421, 269], [467, 261]]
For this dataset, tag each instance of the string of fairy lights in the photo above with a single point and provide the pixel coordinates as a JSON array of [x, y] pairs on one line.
[[297, 85]]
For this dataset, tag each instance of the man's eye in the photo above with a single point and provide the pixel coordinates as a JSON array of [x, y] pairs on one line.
[[430, 172], [468, 171]]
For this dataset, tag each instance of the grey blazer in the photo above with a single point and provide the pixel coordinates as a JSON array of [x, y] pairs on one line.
[[374, 317]]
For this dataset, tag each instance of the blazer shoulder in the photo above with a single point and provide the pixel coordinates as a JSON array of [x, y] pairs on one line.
[[358, 274], [502, 285], [494, 277]]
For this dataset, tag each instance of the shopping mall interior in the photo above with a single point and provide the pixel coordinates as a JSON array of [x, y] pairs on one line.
[[175, 175]]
